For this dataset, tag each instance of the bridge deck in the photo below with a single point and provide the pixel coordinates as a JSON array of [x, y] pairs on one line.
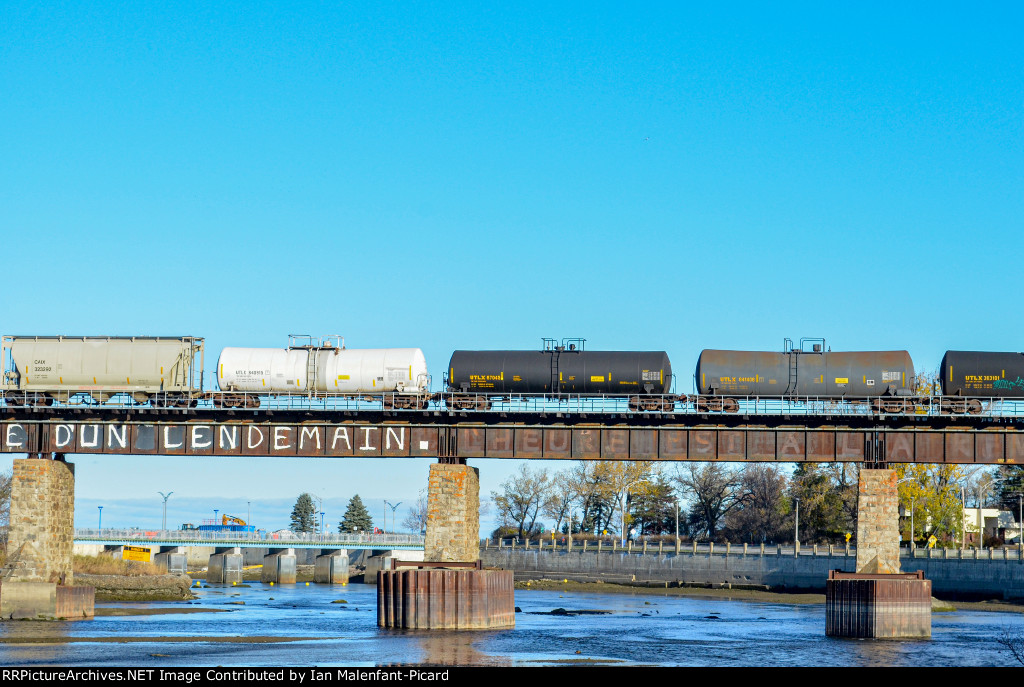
[[434, 434]]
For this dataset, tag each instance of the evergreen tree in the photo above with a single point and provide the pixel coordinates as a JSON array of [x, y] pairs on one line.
[[304, 514], [356, 518]]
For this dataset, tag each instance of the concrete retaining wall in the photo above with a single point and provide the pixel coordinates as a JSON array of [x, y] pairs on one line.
[[950, 577]]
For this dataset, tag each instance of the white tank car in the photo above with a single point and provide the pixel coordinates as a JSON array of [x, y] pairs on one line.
[[38, 369], [324, 370]]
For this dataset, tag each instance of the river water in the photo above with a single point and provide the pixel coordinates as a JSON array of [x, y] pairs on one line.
[[300, 625]]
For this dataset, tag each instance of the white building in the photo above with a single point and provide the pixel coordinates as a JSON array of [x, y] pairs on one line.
[[993, 523]]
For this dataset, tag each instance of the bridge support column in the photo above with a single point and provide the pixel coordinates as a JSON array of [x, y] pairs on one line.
[[430, 595], [279, 567], [878, 601], [38, 576], [173, 560], [225, 566], [331, 567]]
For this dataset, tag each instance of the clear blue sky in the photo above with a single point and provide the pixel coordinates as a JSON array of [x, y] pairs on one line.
[[441, 175]]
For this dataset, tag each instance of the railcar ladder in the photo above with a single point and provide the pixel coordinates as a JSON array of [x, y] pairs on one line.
[[794, 362], [311, 355], [551, 347]]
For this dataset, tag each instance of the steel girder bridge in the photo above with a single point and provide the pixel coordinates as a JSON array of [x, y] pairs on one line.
[[457, 436]]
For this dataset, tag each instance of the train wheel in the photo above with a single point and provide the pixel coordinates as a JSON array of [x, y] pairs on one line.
[[974, 407], [730, 405]]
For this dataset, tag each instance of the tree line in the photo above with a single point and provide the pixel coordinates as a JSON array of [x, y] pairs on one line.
[[749, 503]]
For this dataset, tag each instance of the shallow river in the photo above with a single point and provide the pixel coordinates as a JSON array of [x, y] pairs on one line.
[[301, 625]]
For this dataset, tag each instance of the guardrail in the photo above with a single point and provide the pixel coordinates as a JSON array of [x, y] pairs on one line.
[[711, 549], [269, 539]]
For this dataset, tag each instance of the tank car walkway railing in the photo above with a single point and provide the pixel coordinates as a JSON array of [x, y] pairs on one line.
[[115, 537], [573, 405], [662, 547]]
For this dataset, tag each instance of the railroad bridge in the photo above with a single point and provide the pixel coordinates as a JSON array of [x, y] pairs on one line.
[[42, 497]]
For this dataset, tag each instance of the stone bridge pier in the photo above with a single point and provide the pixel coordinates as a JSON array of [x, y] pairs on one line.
[[37, 579], [878, 600], [448, 589]]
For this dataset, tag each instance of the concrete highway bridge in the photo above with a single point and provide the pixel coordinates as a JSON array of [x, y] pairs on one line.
[[876, 599], [167, 548], [292, 540]]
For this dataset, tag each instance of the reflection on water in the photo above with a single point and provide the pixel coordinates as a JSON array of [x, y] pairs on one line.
[[321, 625]]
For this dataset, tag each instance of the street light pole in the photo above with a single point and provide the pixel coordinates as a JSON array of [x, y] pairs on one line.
[[913, 499], [677, 522], [394, 507], [796, 530], [166, 496], [963, 518], [99, 525]]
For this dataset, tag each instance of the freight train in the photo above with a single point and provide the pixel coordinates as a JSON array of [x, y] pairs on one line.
[[167, 372]]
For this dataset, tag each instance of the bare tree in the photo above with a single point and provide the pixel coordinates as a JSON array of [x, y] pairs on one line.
[[761, 516], [714, 490], [521, 497], [1013, 641], [416, 520], [562, 494]]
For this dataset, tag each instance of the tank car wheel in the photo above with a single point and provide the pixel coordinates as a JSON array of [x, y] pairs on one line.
[[974, 407], [730, 405]]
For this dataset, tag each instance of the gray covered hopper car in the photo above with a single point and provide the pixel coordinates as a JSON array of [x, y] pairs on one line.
[[799, 373], [162, 370]]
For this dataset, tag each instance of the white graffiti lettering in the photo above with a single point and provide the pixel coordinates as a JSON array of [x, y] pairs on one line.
[[281, 438], [64, 436], [228, 441], [311, 432], [249, 438], [366, 439], [339, 434], [197, 440], [399, 437], [167, 439], [121, 438], [93, 442]]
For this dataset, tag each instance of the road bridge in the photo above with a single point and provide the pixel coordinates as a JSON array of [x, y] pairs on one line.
[[291, 540], [167, 549]]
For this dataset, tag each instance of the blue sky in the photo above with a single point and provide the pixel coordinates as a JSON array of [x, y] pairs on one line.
[[446, 176]]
